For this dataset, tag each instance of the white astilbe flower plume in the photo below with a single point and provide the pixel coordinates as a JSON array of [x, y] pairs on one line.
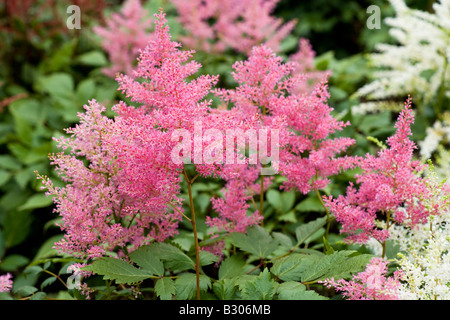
[[424, 258], [417, 64]]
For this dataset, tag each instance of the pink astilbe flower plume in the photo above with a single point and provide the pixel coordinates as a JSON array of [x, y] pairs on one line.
[[113, 199], [370, 284], [6, 282], [214, 25], [125, 34], [160, 82], [268, 89], [122, 183], [304, 64], [390, 184], [267, 98]]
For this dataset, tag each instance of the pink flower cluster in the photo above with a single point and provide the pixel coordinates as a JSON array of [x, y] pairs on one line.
[[122, 185], [214, 25], [124, 35], [233, 206], [390, 184], [304, 64], [114, 199], [6, 282], [269, 90], [371, 284]]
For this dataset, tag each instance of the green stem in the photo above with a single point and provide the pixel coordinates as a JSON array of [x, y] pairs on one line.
[[56, 276], [261, 263], [329, 219], [194, 228]]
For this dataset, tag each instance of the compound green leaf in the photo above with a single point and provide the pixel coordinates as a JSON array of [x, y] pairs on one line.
[[118, 270], [165, 288], [148, 262], [293, 290], [261, 287], [306, 230], [186, 285], [172, 256], [257, 241], [231, 267], [292, 267]]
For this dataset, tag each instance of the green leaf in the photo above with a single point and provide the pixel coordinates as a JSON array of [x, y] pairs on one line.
[[5, 296], [93, 58], [288, 200], [4, 177], [304, 231], [26, 290], [203, 200], [165, 288], [339, 265], [257, 241], [2, 243], [310, 204], [38, 296], [349, 266], [206, 258], [288, 217], [186, 285], [427, 74], [46, 250], [118, 270], [392, 249], [33, 270], [57, 84], [274, 198], [282, 201], [26, 155], [292, 267], [13, 262], [148, 262], [8, 162], [47, 282], [283, 239], [28, 109], [38, 200], [328, 248], [312, 268], [225, 289], [172, 257], [372, 122], [61, 57], [85, 90], [289, 43], [16, 227], [23, 129], [261, 287], [315, 236], [231, 267], [292, 290], [23, 176]]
